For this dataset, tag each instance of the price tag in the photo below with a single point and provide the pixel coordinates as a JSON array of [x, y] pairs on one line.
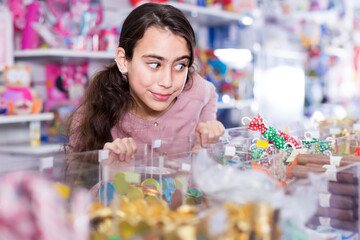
[[331, 172], [186, 167], [263, 144], [157, 143], [230, 151]]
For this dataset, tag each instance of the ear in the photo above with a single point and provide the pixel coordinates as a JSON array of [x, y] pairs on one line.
[[121, 61]]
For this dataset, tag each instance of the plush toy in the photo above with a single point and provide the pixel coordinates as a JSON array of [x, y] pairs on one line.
[[20, 98], [4, 106]]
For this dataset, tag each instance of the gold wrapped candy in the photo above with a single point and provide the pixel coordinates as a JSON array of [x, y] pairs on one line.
[[155, 220]]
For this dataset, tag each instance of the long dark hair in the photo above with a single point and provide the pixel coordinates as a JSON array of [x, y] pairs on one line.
[[108, 97]]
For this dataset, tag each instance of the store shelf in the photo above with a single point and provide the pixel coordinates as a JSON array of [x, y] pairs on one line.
[[206, 16], [64, 54], [26, 149], [209, 15], [26, 118], [318, 16]]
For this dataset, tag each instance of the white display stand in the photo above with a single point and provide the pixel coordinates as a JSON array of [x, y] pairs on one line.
[[15, 134]]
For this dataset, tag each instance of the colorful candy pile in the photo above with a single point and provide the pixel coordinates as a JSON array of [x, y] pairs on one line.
[[319, 146], [280, 140], [168, 188]]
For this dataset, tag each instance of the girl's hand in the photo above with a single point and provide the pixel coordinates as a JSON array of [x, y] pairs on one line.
[[122, 149], [209, 132]]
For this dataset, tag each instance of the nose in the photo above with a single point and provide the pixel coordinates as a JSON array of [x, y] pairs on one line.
[[166, 80]]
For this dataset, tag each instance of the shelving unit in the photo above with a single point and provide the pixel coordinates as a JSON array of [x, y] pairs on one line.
[[63, 54], [211, 16], [13, 128], [23, 149], [26, 118]]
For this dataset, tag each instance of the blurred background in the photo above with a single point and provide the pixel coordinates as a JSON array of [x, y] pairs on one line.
[[290, 61]]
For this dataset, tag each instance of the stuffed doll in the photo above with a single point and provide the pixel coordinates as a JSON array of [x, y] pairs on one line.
[[17, 92], [4, 106]]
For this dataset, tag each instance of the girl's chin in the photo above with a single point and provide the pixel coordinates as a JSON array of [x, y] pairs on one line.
[[159, 107]]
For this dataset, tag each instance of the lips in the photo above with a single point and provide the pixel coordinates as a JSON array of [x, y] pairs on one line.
[[161, 97]]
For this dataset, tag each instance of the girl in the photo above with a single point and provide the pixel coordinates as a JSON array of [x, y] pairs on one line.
[[150, 91]]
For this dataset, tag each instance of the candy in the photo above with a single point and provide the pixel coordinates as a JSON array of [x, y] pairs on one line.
[[168, 194], [193, 196], [135, 193], [257, 124], [151, 182], [121, 185], [62, 190], [107, 196], [150, 190]]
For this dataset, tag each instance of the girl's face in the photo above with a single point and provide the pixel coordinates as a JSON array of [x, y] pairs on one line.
[[157, 72]]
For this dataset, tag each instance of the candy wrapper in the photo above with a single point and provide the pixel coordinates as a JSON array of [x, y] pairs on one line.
[[338, 205], [280, 140], [224, 183], [239, 146], [318, 146]]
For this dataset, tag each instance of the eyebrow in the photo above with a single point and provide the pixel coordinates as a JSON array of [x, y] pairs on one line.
[[163, 59]]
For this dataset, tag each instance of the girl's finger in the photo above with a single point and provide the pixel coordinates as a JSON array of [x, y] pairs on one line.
[[128, 149], [111, 147], [122, 149]]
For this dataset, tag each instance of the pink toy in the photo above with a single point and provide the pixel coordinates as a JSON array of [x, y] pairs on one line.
[[30, 38], [75, 17], [17, 92], [66, 81], [18, 10]]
